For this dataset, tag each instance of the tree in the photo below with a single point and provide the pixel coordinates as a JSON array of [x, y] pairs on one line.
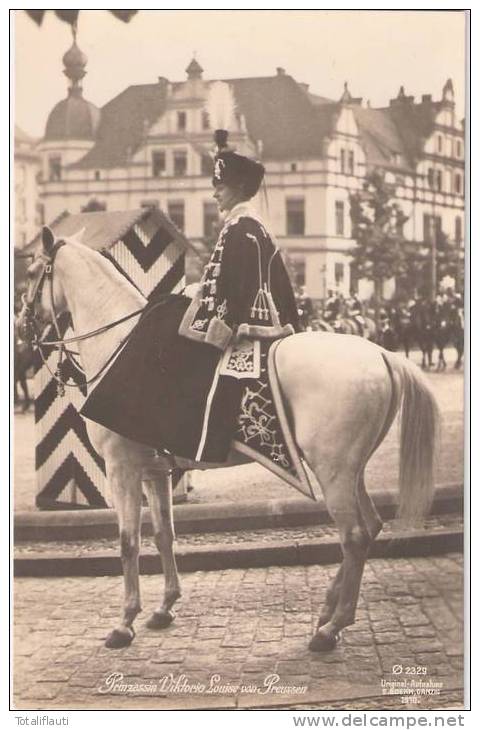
[[377, 226]]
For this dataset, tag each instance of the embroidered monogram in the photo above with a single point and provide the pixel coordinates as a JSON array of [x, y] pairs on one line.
[[258, 426], [222, 309], [199, 324], [242, 360]]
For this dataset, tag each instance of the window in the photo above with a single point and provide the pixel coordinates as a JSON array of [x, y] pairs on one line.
[[459, 148], [205, 120], [432, 227], [158, 163], [181, 121], [180, 163], [293, 167], [339, 274], [430, 177], [339, 217], [54, 168], [97, 174], [342, 160], [210, 219], [206, 165], [149, 204], [296, 266], [439, 179], [351, 162], [458, 183], [458, 229], [439, 143], [176, 213], [295, 216]]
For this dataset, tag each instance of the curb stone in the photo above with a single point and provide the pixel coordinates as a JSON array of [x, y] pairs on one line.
[[417, 543], [215, 517]]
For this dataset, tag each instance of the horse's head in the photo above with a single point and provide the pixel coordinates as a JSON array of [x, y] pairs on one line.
[[44, 298]]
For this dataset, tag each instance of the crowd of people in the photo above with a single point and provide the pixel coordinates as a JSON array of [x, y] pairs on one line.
[[395, 324]]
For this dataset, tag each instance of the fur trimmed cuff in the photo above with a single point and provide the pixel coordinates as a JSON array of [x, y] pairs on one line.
[[263, 332]]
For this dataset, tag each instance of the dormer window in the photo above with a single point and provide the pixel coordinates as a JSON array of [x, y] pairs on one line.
[[293, 167], [158, 163], [342, 160], [179, 163], [97, 175], [181, 121]]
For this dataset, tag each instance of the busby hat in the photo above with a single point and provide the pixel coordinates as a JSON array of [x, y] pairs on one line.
[[238, 171]]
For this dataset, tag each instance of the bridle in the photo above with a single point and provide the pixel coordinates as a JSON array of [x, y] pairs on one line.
[[29, 300]]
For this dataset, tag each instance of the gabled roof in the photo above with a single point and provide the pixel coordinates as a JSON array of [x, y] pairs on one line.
[[122, 126], [276, 108], [291, 122], [415, 124], [380, 138], [279, 112], [104, 228]]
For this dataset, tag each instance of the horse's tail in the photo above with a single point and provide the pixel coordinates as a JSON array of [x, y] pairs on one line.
[[419, 434]]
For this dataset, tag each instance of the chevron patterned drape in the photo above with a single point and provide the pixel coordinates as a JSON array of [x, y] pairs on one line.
[[69, 471]]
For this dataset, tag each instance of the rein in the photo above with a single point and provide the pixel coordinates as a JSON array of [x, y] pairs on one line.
[[61, 342]]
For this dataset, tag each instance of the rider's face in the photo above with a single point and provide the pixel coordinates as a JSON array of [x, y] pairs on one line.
[[227, 197]]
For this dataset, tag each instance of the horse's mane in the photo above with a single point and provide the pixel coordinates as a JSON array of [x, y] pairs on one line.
[[108, 277]]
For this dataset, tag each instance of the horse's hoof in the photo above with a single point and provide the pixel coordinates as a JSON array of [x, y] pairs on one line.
[[160, 619], [323, 642], [120, 638]]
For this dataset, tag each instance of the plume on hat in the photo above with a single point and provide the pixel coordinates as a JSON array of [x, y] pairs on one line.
[[220, 108]]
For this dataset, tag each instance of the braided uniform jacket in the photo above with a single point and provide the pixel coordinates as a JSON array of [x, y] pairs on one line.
[[245, 290]]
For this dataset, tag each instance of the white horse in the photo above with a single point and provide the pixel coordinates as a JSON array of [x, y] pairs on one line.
[[342, 392]]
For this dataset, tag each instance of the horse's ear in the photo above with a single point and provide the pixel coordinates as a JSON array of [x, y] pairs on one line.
[[48, 239]]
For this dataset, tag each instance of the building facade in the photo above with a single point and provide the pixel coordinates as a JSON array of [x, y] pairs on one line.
[[28, 207], [152, 145]]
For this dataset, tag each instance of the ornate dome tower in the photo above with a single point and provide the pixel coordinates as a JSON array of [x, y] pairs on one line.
[[69, 133], [74, 118]]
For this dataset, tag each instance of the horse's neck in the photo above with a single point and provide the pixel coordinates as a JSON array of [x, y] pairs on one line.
[[96, 295]]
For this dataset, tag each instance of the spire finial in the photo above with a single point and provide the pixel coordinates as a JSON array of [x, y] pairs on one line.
[[346, 96], [75, 62]]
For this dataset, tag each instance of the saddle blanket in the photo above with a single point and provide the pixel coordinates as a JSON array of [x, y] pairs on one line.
[[195, 402]]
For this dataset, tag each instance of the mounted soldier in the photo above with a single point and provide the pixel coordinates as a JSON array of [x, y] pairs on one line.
[[245, 291], [245, 299], [207, 385]]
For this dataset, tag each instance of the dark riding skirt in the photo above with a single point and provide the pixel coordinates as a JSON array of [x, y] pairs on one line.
[[156, 390]]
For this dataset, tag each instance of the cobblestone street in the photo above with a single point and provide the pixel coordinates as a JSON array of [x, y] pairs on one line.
[[233, 629]]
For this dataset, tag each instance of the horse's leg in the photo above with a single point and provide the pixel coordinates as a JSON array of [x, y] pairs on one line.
[[355, 541], [158, 486], [372, 523], [125, 481], [26, 394]]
